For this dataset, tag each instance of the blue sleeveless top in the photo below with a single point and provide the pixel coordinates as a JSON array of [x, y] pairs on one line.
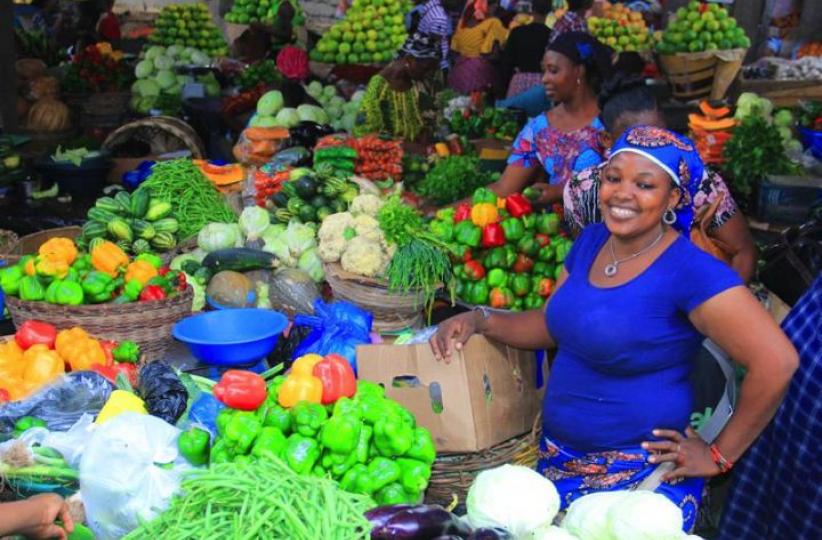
[[625, 353]]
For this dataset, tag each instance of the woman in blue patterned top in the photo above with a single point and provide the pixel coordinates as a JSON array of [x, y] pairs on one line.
[[631, 308]]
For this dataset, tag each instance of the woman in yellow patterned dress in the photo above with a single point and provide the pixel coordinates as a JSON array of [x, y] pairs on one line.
[[477, 36]]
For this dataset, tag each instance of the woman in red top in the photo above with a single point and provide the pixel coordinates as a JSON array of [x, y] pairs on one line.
[[108, 27]]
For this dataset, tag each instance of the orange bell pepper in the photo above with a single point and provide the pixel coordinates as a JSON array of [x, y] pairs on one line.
[[484, 213], [41, 365], [301, 384], [11, 361], [142, 271], [59, 249], [79, 350], [107, 257]]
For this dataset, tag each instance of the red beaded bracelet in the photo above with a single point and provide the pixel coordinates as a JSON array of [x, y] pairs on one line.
[[724, 464]]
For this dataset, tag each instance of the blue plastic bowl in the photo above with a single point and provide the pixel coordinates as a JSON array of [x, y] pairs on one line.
[[811, 139], [231, 337]]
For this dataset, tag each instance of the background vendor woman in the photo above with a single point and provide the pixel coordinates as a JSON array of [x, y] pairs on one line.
[[632, 305]]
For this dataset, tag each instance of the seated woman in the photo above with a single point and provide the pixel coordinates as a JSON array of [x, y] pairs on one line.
[[565, 139], [391, 100], [628, 102], [631, 307], [477, 36]]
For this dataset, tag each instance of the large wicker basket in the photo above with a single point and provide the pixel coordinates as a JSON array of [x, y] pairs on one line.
[[699, 75], [162, 134], [30, 243], [453, 474], [391, 311], [149, 324], [8, 242]]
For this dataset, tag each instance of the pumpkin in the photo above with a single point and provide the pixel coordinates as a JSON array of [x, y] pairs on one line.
[[49, 114], [43, 87]]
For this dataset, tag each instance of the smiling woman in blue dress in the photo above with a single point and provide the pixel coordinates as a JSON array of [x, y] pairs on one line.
[[632, 305]]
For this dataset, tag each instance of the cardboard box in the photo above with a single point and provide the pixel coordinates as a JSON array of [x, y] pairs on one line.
[[486, 395]]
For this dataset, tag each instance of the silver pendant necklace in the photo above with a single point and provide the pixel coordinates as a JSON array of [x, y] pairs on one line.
[[612, 268]]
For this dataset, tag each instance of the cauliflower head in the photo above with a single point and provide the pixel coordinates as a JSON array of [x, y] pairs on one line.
[[331, 248], [335, 225], [362, 256], [367, 227], [366, 204]]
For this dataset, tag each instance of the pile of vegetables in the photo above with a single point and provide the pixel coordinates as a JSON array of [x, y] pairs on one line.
[[312, 195], [378, 158], [159, 87], [259, 499], [271, 112], [701, 26], [341, 114], [39, 353], [22, 466], [188, 25], [336, 152], [194, 199], [710, 129], [263, 72], [510, 256], [265, 11], [97, 68], [257, 145], [137, 223], [452, 178], [60, 274], [321, 422], [355, 240], [490, 123]]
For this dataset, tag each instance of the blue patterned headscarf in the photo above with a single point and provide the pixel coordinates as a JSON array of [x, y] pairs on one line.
[[674, 154]]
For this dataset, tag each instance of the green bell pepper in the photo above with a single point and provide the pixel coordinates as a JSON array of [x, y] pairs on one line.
[[194, 446], [547, 254], [529, 221], [393, 436], [308, 418], [301, 453], [72, 275], [467, 234], [31, 290], [372, 408], [26, 423], [366, 388], [510, 256], [241, 431], [357, 480], [534, 301], [445, 214], [478, 293], [219, 453], [341, 434], [494, 258], [415, 475], [82, 264], [542, 268], [527, 245], [422, 447], [273, 415], [443, 230], [98, 287], [514, 229], [51, 292], [383, 471], [362, 451], [393, 494], [269, 444], [164, 282], [521, 284], [497, 277], [274, 386], [562, 247], [151, 259], [558, 271], [67, 293], [10, 280], [127, 351], [484, 195], [548, 224], [132, 290], [347, 407]]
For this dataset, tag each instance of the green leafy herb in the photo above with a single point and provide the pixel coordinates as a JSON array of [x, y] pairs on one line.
[[420, 267], [451, 179], [753, 152], [399, 222]]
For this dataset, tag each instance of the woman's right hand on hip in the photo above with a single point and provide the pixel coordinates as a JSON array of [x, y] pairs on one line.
[[452, 334]]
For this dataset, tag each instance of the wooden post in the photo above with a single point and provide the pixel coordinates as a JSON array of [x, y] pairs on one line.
[[8, 82]]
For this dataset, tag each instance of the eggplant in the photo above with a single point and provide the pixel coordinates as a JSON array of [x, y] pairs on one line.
[[420, 523], [379, 516], [306, 133], [448, 537], [489, 533]]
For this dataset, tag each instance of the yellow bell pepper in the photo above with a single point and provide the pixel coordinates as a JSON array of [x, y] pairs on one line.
[[11, 361], [119, 402], [50, 266], [42, 365], [304, 365], [80, 351], [301, 384], [104, 47], [66, 337], [483, 214], [60, 249], [108, 258], [142, 271]]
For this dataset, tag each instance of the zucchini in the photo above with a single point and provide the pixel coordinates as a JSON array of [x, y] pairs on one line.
[[239, 260], [139, 203]]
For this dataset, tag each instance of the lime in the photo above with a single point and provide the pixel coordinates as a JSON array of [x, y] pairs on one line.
[[372, 35], [726, 44], [358, 47], [378, 57], [721, 15], [611, 41], [331, 46], [361, 37], [344, 48], [623, 40], [340, 58], [696, 46], [712, 26], [717, 37], [689, 36], [693, 16], [349, 37], [693, 5], [706, 37], [371, 45], [353, 58], [675, 38], [698, 26], [708, 16], [711, 46], [681, 13], [744, 42], [608, 31]]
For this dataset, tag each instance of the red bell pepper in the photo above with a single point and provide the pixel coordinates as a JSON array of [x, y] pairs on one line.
[[518, 205], [4, 395], [493, 235], [151, 293], [462, 212], [337, 377], [35, 333], [545, 287], [523, 264], [474, 270], [467, 255], [500, 298], [240, 389], [163, 270], [129, 371], [542, 239]]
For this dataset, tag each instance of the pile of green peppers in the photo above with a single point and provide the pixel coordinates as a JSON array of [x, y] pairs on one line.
[[369, 443]]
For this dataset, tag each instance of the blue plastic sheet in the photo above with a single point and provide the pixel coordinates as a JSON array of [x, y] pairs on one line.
[[338, 328]]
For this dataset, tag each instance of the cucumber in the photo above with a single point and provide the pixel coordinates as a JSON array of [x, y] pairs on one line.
[[239, 260], [169, 225], [107, 203], [123, 200], [120, 230], [103, 216], [140, 200], [94, 229]]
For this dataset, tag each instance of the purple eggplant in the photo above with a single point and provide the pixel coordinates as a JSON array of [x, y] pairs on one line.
[[489, 533], [379, 516], [420, 522]]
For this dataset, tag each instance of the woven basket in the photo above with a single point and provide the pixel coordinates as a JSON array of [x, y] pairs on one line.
[[8, 242], [31, 242], [391, 311], [453, 474], [703, 74], [162, 134], [149, 323]]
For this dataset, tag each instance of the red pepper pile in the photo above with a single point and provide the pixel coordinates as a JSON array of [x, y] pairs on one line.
[[93, 70], [268, 183], [377, 158]]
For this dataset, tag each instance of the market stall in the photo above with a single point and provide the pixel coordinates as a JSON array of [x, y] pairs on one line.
[[218, 283]]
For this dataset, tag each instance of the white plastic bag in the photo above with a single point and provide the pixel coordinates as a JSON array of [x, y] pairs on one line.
[[122, 478]]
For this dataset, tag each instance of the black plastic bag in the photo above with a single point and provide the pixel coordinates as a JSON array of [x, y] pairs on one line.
[[286, 345], [307, 133], [164, 394], [60, 404]]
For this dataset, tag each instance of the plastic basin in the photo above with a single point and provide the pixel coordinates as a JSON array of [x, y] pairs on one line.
[[811, 139], [231, 337]]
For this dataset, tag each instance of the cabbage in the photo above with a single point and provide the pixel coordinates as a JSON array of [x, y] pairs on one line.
[[314, 89], [279, 248], [199, 300], [216, 236], [645, 515], [270, 104], [783, 118], [785, 133], [312, 113], [163, 63], [287, 118], [174, 51], [513, 497], [330, 91], [147, 88], [199, 59], [587, 517], [272, 231], [358, 95], [253, 221], [337, 101], [311, 264], [144, 69], [299, 238], [165, 79], [154, 51]]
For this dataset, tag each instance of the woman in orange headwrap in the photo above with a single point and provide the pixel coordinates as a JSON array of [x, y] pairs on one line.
[[478, 34]]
